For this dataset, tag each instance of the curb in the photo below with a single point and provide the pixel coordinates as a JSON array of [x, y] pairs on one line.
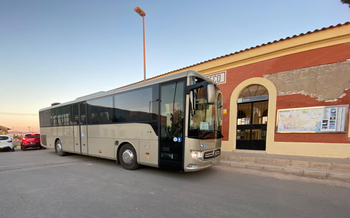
[[297, 168], [286, 162]]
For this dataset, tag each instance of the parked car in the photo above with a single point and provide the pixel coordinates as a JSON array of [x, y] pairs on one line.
[[6, 143], [31, 141]]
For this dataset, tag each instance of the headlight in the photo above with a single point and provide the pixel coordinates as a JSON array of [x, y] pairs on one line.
[[196, 154]]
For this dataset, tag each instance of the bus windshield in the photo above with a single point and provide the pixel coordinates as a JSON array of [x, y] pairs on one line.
[[205, 119]]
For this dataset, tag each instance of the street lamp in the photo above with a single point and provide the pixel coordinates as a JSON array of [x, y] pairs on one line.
[[143, 14]]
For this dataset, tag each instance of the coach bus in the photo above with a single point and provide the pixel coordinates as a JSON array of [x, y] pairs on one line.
[[170, 122]]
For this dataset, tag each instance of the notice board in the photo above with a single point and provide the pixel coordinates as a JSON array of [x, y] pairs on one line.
[[328, 119]]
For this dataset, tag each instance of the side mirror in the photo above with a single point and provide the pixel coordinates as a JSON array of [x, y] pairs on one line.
[[211, 93]]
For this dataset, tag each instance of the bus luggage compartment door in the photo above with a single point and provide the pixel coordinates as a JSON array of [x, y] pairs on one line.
[[77, 148]]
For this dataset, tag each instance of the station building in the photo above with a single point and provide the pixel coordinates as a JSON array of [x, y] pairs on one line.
[[289, 96]]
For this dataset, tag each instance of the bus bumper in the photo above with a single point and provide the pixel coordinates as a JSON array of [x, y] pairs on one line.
[[197, 165]]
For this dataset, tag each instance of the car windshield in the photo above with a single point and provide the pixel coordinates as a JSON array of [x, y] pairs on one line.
[[205, 123]]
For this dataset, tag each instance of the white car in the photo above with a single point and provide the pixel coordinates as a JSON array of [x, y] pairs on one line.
[[6, 143]]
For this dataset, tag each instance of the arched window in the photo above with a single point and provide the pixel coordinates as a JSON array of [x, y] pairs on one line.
[[253, 90]]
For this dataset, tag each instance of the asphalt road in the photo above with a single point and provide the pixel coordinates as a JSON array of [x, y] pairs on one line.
[[38, 183]]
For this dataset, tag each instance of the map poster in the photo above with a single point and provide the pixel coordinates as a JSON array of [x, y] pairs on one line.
[[330, 119]]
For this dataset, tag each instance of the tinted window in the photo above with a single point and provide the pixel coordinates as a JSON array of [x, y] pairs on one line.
[[4, 137], [100, 110], [75, 117], [32, 136], [82, 108], [171, 120], [61, 116], [136, 105], [53, 118], [66, 114], [172, 110], [44, 117]]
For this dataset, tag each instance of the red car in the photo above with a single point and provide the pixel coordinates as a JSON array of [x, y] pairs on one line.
[[31, 141]]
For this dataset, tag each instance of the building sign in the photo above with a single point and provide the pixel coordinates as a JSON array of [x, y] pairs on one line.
[[218, 78], [328, 119]]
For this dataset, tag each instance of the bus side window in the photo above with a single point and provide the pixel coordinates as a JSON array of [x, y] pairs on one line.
[[105, 117], [75, 115]]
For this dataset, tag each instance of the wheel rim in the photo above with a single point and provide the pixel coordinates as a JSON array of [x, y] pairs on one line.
[[128, 157], [59, 147]]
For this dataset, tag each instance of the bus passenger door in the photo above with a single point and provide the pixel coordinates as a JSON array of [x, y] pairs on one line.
[[80, 128], [76, 129], [172, 105], [83, 128]]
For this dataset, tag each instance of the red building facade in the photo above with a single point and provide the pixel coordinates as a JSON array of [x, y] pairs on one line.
[[300, 84]]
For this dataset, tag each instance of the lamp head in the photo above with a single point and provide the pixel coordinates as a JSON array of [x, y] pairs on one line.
[[140, 11]]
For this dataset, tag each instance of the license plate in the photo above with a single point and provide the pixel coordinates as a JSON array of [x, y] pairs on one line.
[[31, 143], [213, 162]]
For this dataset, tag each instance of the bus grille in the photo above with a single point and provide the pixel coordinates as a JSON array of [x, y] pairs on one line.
[[211, 154]]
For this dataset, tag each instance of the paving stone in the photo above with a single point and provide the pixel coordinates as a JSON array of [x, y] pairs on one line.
[[238, 164], [225, 163], [273, 168], [264, 160], [339, 176], [255, 166], [224, 157], [292, 170], [249, 159], [341, 167], [320, 165], [235, 158], [280, 162], [299, 163], [315, 173]]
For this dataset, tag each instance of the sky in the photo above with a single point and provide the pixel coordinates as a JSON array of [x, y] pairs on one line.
[[58, 50]]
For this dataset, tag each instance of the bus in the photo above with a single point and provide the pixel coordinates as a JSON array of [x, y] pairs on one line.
[[171, 122]]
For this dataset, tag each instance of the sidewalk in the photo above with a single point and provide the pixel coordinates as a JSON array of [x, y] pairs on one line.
[[314, 167]]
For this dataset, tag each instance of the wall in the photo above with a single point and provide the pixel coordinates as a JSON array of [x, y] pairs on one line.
[[288, 68], [303, 60]]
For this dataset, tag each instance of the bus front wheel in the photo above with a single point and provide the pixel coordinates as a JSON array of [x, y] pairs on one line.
[[127, 157], [59, 150]]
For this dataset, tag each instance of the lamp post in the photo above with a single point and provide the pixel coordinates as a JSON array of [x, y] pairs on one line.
[[143, 14]]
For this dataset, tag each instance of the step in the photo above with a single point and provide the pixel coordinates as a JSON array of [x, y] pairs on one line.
[[312, 172], [287, 162]]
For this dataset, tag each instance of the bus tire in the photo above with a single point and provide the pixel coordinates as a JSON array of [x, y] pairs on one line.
[[59, 150], [128, 158]]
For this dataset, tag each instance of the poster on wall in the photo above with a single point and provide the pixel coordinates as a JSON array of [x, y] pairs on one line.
[[330, 119]]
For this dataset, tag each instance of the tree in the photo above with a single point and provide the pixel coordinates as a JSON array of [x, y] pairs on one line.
[[346, 2]]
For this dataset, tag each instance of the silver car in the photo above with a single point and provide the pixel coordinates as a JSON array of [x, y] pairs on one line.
[[6, 143]]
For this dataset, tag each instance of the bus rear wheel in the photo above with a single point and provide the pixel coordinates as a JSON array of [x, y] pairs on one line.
[[59, 150], [127, 157]]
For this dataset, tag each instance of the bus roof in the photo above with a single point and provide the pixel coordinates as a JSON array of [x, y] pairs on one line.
[[131, 87]]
